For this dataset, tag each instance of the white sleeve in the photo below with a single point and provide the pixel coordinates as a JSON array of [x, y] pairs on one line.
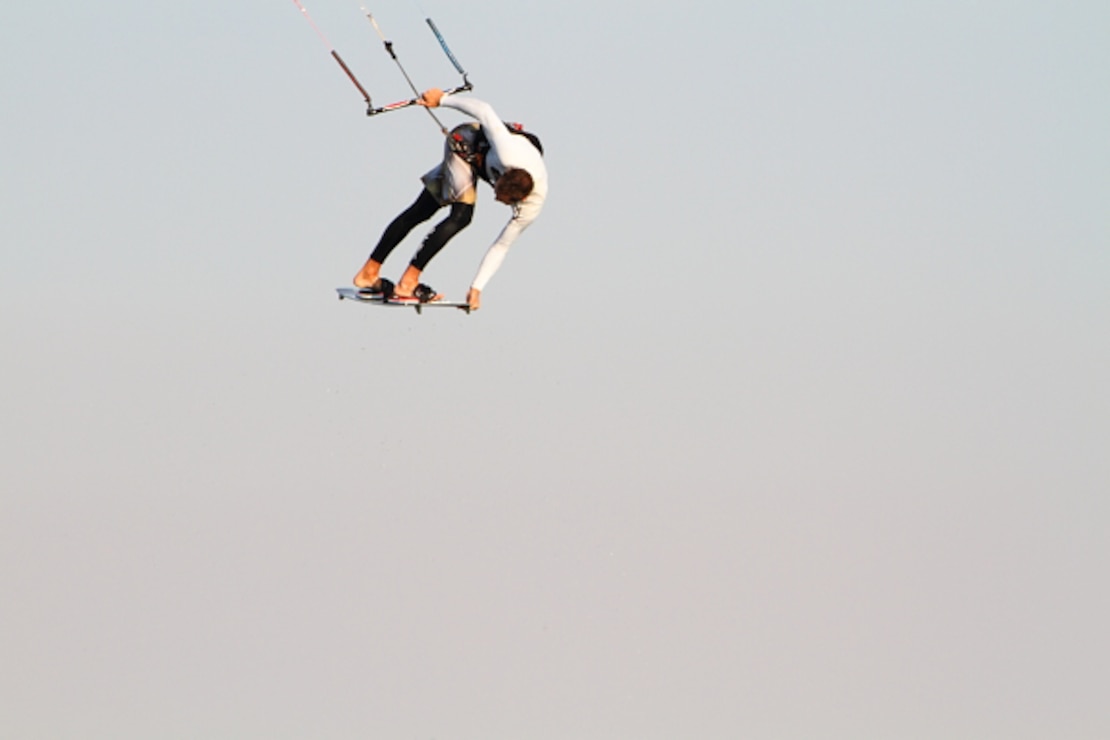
[[523, 216], [484, 113]]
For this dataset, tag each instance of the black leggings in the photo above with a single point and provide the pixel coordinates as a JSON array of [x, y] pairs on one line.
[[420, 211]]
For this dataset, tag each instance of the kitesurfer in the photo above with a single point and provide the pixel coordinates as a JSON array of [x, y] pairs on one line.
[[508, 159]]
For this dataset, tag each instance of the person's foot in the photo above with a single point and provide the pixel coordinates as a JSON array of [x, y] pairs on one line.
[[410, 288], [367, 278], [408, 283]]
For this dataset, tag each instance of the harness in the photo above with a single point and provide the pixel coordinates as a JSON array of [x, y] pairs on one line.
[[470, 142]]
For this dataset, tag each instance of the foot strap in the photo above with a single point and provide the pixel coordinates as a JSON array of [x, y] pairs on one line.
[[424, 293]]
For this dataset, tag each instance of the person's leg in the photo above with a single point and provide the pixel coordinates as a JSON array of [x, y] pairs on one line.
[[459, 218], [422, 209]]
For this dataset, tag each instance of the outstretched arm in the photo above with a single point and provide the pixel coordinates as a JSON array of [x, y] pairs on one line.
[[523, 215], [480, 110], [495, 255]]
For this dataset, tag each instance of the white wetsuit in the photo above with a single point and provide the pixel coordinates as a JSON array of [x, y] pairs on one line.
[[507, 151]]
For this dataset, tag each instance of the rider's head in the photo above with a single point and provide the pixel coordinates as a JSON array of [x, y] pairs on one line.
[[513, 186]]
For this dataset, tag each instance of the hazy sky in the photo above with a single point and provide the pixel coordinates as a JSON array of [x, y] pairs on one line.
[[789, 417]]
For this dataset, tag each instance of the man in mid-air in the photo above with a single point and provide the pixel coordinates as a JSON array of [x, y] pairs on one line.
[[509, 160]]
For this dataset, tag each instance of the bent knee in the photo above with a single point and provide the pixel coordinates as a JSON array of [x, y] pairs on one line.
[[461, 215]]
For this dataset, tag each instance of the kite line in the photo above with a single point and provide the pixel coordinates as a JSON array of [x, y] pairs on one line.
[[389, 48], [371, 110], [334, 53]]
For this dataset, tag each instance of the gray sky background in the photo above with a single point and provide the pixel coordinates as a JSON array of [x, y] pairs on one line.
[[789, 417]]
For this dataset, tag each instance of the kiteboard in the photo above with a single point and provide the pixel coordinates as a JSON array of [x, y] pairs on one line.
[[377, 299]]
